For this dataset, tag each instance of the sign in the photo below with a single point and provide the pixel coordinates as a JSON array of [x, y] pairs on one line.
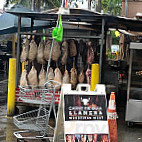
[[114, 48], [87, 138], [85, 107], [85, 116]]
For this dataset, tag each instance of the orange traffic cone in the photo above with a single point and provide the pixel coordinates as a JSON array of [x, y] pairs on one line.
[[111, 112], [66, 5]]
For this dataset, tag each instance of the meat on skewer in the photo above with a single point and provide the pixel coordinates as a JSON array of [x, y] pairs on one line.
[[73, 50], [56, 52], [90, 53], [47, 50], [58, 76], [25, 51], [23, 78], [66, 78], [32, 77], [33, 50], [65, 53], [73, 77], [81, 77], [42, 77], [40, 51], [88, 76]]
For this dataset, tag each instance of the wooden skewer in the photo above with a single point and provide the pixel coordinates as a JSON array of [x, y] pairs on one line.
[[73, 62]]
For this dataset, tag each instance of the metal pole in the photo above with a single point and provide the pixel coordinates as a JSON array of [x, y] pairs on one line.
[[11, 87], [89, 4], [18, 51], [13, 45], [32, 5], [101, 51], [32, 24], [125, 8], [129, 74]]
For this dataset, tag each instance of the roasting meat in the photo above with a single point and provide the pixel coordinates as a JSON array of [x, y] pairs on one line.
[[33, 50], [23, 79], [90, 53], [25, 50], [65, 53], [50, 74], [73, 77], [58, 76], [40, 57], [88, 76], [73, 51], [47, 50], [42, 77], [81, 77], [32, 77], [56, 52], [66, 78]]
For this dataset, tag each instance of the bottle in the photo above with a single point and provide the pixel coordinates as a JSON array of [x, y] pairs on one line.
[[112, 115]]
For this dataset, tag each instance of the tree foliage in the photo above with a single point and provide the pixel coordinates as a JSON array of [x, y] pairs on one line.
[[112, 7], [38, 4]]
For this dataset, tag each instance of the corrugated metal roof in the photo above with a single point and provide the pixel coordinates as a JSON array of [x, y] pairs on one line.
[[93, 18]]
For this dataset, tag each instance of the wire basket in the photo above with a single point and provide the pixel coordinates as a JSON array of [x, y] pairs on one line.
[[38, 94], [33, 120], [29, 135]]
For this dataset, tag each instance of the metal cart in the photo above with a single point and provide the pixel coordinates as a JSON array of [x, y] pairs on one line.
[[36, 122], [134, 90]]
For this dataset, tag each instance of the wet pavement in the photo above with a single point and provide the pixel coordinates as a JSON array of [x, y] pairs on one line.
[[6, 124], [125, 133]]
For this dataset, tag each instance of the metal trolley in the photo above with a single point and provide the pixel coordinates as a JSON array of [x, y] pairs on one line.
[[36, 122]]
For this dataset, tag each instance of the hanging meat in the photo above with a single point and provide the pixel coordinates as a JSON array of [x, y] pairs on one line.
[[56, 52], [23, 79], [33, 50], [88, 76], [42, 77], [73, 77], [58, 76], [90, 53], [66, 78], [65, 53], [50, 74], [40, 51], [81, 77], [47, 50], [73, 51], [32, 77], [25, 50]]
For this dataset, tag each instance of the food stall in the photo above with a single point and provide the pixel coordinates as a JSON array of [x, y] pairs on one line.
[[78, 36], [78, 25], [84, 39]]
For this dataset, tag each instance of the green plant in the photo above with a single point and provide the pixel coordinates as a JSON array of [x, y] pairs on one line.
[[112, 6]]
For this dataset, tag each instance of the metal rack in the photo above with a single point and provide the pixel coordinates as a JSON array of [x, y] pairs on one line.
[[134, 91]]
